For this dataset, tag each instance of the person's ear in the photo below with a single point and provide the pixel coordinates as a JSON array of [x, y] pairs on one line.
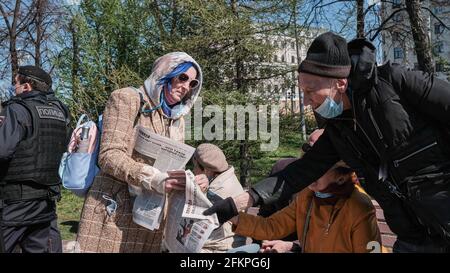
[[341, 85], [27, 87]]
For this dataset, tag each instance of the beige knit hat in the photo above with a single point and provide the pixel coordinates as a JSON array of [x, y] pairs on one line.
[[211, 157]]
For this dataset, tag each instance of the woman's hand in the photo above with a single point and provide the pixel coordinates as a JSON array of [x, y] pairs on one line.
[[202, 181], [276, 246], [175, 181]]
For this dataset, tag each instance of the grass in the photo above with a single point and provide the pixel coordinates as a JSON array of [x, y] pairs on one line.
[[69, 211], [290, 143], [69, 208]]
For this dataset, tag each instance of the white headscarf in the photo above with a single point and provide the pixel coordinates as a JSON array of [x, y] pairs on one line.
[[163, 66]]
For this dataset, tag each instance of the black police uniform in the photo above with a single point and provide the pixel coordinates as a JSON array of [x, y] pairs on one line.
[[33, 136]]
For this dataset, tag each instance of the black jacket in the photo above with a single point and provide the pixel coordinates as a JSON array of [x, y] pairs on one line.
[[396, 132], [36, 157], [17, 127]]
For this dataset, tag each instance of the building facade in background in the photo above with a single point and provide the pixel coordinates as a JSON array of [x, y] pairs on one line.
[[397, 40], [283, 88]]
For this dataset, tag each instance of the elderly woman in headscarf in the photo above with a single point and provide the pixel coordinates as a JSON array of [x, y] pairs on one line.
[[168, 94]]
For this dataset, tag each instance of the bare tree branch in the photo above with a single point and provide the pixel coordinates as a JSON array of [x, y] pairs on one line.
[[436, 17], [26, 51], [384, 22], [271, 76]]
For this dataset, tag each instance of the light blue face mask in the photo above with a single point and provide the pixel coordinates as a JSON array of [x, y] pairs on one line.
[[112, 206], [322, 194], [330, 109]]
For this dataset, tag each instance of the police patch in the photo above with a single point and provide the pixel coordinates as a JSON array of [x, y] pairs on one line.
[[50, 113]]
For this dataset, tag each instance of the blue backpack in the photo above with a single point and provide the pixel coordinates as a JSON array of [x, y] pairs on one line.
[[77, 170]]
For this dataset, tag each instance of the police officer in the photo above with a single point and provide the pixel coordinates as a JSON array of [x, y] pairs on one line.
[[33, 135]]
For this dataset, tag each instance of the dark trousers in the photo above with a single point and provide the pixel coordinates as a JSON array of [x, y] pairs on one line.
[[37, 233], [55, 242], [31, 239], [427, 247]]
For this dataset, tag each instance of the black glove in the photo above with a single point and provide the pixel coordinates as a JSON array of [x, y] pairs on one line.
[[225, 209], [306, 147], [257, 200]]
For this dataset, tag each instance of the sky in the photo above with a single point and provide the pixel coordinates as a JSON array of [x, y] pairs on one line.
[[336, 11]]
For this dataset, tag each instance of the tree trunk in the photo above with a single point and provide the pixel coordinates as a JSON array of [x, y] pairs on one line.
[[174, 18], [40, 6], [244, 166], [300, 93], [14, 58], [75, 58], [238, 62], [292, 100], [420, 36], [12, 32], [360, 18], [159, 22]]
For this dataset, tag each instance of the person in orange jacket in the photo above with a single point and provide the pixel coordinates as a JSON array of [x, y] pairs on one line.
[[331, 215]]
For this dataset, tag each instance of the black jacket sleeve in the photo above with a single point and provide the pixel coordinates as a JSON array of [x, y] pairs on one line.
[[425, 92], [16, 125], [297, 175]]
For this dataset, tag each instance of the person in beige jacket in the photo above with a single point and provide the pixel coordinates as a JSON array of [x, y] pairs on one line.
[[170, 91], [210, 163]]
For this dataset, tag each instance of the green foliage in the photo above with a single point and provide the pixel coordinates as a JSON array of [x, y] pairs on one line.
[[113, 46], [114, 43]]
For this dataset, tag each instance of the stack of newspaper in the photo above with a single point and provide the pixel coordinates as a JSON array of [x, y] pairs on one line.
[[187, 229]]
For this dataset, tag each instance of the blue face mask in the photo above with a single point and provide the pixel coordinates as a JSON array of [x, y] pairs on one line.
[[322, 194], [330, 109]]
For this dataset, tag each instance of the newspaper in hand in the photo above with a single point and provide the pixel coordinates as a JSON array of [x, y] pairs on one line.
[[147, 209], [164, 154], [161, 152], [187, 228]]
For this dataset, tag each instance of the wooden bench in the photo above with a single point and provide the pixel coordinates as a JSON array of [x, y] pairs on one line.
[[387, 236]]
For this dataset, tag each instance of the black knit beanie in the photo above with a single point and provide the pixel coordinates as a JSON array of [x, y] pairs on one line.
[[327, 57], [35, 73]]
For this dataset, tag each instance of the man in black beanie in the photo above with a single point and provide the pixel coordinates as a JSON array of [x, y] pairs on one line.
[[389, 124], [33, 136]]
